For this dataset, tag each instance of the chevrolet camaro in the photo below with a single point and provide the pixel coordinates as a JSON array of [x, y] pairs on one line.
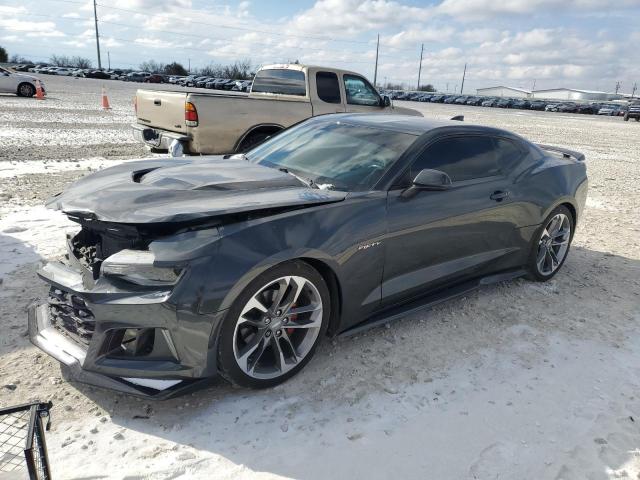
[[186, 268]]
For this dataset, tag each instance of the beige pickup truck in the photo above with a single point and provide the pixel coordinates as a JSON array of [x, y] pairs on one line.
[[199, 122]]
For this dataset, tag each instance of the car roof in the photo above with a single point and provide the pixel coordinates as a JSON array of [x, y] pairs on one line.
[[409, 124]]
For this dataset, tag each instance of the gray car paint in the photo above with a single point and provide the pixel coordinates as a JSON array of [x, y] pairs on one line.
[[378, 249]]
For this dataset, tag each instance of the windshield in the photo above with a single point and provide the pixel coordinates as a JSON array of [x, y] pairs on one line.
[[334, 155]]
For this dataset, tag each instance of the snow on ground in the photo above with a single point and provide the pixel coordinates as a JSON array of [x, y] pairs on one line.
[[519, 380]]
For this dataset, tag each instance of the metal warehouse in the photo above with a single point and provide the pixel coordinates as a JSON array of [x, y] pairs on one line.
[[574, 94], [500, 91]]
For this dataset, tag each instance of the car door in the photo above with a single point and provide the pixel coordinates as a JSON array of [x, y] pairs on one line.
[[328, 98], [436, 238], [7, 82], [360, 96]]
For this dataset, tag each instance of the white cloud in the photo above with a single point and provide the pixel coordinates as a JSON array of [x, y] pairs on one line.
[[35, 29], [418, 35], [350, 17]]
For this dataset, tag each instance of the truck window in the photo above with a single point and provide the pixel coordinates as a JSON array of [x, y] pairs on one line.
[[360, 92], [328, 87], [280, 81]]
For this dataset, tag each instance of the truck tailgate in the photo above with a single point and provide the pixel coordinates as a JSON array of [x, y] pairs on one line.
[[161, 109]]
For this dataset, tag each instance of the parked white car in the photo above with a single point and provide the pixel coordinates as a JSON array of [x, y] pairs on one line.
[[18, 83], [63, 71]]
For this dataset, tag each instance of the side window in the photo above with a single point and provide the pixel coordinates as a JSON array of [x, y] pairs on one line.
[[360, 92], [328, 87], [462, 158], [280, 81]]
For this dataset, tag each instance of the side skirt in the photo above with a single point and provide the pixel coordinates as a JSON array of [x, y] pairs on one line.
[[429, 301]]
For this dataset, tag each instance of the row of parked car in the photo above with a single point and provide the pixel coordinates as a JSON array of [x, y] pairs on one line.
[[200, 81], [215, 83], [594, 108]]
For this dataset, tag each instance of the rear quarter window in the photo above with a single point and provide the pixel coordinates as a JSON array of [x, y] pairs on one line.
[[328, 87], [280, 81]]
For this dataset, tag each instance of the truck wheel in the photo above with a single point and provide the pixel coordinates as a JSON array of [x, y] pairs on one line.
[[26, 90], [252, 140]]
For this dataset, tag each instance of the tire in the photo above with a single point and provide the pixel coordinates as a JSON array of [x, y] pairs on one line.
[[26, 90], [545, 239], [259, 349], [252, 140], [626, 117]]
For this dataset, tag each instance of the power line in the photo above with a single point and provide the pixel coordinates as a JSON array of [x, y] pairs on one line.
[[192, 35], [242, 28]]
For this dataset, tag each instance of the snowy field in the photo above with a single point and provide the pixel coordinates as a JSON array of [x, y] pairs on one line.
[[515, 381]]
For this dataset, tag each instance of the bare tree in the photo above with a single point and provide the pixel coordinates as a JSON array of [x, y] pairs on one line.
[[236, 71], [19, 59], [152, 66], [80, 62], [59, 60], [175, 68]]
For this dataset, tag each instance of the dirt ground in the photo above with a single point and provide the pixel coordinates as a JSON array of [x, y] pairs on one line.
[[519, 380]]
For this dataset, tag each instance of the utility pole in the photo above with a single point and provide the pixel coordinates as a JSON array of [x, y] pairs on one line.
[[109, 58], [534, 85], [420, 67], [189, 69], [375, 72], [95, 17], [618, 85], [464, 73], [635, 88], [447, 90]]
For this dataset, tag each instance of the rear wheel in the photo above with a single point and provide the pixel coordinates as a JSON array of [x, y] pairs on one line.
[[253, 140], [274, 326], [26, 90], [551, 245]]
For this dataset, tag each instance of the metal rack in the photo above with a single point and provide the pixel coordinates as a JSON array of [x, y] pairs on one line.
[[22, 441]]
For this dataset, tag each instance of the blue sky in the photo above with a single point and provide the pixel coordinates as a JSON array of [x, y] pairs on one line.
[[589, 44]]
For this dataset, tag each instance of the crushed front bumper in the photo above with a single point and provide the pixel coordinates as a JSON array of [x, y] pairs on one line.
[[187, 363]]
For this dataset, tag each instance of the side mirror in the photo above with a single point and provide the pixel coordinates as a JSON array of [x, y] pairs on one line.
[[429, 179], [386, 101]]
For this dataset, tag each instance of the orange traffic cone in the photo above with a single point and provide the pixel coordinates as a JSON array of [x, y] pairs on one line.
[[39, 91], [105, 100]]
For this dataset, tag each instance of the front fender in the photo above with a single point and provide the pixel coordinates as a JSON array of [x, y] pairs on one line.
[[270, 262]]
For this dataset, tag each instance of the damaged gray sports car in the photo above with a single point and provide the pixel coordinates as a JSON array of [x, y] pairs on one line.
[[186, 268]]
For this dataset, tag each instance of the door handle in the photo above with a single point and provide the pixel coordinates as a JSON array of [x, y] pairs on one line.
[[499, 195]]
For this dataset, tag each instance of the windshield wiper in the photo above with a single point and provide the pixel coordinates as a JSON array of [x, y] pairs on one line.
[[307, 181]]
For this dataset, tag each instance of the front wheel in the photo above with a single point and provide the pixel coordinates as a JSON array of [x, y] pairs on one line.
[[551, 245], [273, 328], [26, 90]]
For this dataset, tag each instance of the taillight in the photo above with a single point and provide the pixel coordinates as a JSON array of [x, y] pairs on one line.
[[190, 114]]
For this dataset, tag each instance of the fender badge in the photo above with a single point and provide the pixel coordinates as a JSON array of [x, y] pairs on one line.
[[368, 245]]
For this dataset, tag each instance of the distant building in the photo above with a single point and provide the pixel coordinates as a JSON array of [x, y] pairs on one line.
[[574, 94], [500, 91]]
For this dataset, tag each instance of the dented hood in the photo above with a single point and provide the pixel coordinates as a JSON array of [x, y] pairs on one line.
[[184, 189]]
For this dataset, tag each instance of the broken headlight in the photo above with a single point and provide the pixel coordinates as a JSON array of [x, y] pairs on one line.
[[137, 266]]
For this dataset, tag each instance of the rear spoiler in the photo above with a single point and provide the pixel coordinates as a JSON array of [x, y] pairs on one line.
[[579, 157]]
